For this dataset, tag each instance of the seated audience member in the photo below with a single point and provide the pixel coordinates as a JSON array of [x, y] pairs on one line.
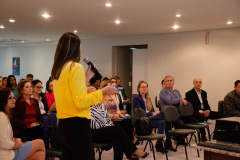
[[198, 98], [94, 81], [10, 147], [142, 100], [231, 104], [123, 96], [50, 96], [1, 79], [38, 95], [115, 110], [29, 77], [105, 78], [103, 131], [4, 82], [26, 116], [171, 96], [112, 103], [11, 83], [163, 86]]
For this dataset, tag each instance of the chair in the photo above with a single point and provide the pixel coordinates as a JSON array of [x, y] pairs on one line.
[[138, 113], [50, 127], [171, 115], [220, 108], [101, 147], [187, 110]]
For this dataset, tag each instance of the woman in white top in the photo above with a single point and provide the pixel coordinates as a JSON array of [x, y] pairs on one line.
[[10, 148]]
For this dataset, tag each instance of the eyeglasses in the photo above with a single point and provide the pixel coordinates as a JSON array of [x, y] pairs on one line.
[[39, 87], [12, 98], [144, 87], [113, 82]]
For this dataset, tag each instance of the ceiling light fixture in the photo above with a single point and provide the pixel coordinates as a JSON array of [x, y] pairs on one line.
[[11, 20], [117, 22], [22, 41], [47, 40], [229, 22], [2, 27], [75, 31], [178, 15], [175, 27], [108, 5], [45, 15]]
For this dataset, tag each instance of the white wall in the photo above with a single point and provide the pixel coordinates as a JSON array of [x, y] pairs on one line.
[[183, 55]]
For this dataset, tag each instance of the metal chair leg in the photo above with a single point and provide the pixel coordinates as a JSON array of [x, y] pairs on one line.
[[166, 150], [146, 146], [209, 136], [185, 148], [196, 143], [151, 146]]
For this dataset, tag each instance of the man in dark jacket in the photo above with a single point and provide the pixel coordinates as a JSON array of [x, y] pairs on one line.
[[231, 104], [198, 98]]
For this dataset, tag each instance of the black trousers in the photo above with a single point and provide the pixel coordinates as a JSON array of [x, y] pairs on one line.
[[75, 137], [127, 126], [116, 136], [201, 118]]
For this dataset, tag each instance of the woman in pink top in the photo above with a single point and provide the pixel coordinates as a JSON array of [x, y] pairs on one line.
[[49, 95]]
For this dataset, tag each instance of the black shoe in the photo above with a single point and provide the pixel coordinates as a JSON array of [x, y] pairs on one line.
[[168, 146], [160, 148]]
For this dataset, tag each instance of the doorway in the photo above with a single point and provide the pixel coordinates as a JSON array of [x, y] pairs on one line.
[[126, 61]]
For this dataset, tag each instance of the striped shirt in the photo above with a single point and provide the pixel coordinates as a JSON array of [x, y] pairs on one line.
[[100, 117]]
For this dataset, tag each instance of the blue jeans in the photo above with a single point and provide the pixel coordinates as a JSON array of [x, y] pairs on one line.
[[160, 124]]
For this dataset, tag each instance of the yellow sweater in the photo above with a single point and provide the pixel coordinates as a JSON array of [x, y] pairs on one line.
[[70, 92]]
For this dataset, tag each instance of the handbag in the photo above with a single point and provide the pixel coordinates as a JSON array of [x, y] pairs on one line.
[[143, 126]]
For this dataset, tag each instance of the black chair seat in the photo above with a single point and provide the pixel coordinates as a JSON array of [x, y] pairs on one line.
[[103, 146], [54, 153], [196, 126], [151, 136], [182, 131]]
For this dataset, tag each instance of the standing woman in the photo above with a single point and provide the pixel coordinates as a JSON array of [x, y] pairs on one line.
[[11, 83], [72, 101]]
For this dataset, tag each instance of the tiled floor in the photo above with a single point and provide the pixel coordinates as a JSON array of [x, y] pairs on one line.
[[179, 155]]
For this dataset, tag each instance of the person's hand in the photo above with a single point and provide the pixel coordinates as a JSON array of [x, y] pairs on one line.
[[34, 124], [205, 114], [155, 113], [123, 112], [53, 108], [17, 144], [89, 74], [127, 100], [115, 116], [109, 90], [184, 102]]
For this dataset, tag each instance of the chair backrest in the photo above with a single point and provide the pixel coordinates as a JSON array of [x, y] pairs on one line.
[[186, 110], [157, 102], [170, 114], [220, 108], [137, 113]]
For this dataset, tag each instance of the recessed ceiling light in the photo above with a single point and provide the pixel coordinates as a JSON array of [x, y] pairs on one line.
[[117, 22], [75, 31], [108, 5], [178, 15], [22, 41], [45, 15], [175, 27], [229, 22], [2, 26], [11, 20], [47, 40]]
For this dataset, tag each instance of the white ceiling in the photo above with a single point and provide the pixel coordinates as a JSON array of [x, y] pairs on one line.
[[93, 20]]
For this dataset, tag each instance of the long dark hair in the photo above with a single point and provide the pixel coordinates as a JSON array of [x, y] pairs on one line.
[[68, 49], [47, 86], [8, 81], [4, 94]]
